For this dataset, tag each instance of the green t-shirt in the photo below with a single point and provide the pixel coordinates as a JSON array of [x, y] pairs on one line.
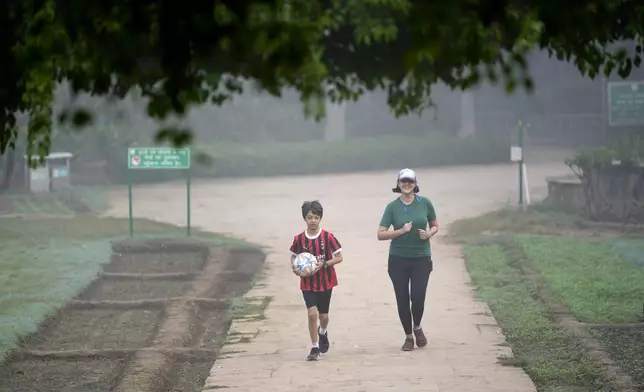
[[420, 212]]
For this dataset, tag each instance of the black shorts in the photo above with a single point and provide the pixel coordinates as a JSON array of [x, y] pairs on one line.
[[319, 299]]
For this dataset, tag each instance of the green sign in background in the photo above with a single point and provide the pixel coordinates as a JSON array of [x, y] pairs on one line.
[[158, 158], [625, 104]]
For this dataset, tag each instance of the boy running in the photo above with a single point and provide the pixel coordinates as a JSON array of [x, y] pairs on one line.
[[317, 288]]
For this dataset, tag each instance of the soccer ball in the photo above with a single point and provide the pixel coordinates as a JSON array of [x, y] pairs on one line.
[[305, 264]]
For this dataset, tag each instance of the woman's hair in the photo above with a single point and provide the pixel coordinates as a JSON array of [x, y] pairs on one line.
[[397, 189]]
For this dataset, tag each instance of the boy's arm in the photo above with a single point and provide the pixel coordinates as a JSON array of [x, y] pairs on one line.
[[293, 264], [293, 249], [337, 259], [336, 251]]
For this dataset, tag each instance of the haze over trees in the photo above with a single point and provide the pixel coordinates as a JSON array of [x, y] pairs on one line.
[[176, 53]]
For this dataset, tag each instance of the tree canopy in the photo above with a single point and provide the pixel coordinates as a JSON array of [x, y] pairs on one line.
[[182, 53]]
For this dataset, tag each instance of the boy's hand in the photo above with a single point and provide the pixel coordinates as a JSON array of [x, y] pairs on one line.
[[293, 265]]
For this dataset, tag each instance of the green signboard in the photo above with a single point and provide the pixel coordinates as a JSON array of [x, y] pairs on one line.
[[158, 158], [625, 104]]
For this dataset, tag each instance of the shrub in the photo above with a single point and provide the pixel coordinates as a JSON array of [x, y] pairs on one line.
[[612, 180]]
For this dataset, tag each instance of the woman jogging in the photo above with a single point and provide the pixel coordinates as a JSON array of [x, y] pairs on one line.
[[414, 222]]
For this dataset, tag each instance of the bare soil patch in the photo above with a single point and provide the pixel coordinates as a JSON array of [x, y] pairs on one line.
[[47, 375], [156, 263], [98, 329], [190, 372], [626, 347], [128, 290], [209, 327], [238, 274], [166, 338]]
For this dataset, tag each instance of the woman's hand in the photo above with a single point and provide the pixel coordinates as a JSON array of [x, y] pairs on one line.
[[385, 234], [406, 228], [428, 234], [424, 234]]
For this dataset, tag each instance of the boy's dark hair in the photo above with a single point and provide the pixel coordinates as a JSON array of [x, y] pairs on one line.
[[312, 206], [397, 189]]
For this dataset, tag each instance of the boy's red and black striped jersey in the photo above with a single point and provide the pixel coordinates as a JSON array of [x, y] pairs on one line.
[[324, 246]]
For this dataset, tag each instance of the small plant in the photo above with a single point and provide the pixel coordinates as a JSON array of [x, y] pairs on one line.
[[612, 179], [625, 152]]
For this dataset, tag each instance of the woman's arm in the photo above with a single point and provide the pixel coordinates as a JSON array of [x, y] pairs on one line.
[[433, 228], [386, 221], [432, 222], [384, 234]]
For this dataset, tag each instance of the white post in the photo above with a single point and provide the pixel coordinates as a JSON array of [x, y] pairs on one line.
[[526, 187]]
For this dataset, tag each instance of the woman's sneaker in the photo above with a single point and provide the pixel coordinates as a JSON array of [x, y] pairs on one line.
[[314, 354], [421, 340], [408, 345]]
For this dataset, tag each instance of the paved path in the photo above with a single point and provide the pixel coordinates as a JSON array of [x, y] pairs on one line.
[[364, 329]]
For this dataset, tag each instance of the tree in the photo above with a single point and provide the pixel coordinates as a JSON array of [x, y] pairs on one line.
[[182, 53]]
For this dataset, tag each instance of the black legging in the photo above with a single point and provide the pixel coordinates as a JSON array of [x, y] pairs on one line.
[[402, 270]]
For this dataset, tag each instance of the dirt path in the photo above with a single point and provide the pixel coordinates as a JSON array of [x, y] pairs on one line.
[[364, 330]]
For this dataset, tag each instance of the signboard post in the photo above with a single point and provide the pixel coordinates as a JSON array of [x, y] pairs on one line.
[[158, 158], [625, 104], [516, 155]]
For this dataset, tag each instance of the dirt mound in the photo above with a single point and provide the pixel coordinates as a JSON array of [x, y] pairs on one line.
[[153, 321]]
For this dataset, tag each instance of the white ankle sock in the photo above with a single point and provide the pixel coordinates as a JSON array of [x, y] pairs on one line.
[[316, 345], [417, 327], [322, 330]]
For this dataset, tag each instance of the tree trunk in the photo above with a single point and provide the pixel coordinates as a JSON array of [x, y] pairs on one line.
[[468, 115], [9, 167], [334, 129]]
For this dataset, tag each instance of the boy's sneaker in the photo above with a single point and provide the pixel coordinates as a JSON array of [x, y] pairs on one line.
[[314, 354], [324, 342]]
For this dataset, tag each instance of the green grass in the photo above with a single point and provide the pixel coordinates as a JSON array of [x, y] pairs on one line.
[[538, 219], [36, 204], [38, 277], [596, 270], [542, 219], [552, 358], [629, 249], [46, 262], [94, 197], [89, 227], [596, 283]]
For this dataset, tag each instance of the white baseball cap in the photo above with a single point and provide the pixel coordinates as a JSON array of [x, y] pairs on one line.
[[407, 174]]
